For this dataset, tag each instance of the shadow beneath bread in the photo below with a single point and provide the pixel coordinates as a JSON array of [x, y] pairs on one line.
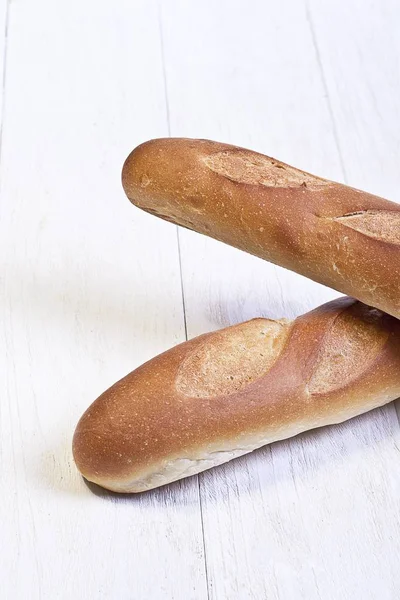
[[331, 451], [319, 457], [174, 493], [53, 468]]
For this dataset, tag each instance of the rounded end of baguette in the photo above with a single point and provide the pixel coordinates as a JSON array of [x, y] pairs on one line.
[[145, 172], [167, 177], [164, 420], [104, 443], [134, 179], [95, 452], [98, 449]]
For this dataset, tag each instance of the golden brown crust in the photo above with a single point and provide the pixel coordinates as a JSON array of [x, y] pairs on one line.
[[174, 416], [212, 369], [334, 234]]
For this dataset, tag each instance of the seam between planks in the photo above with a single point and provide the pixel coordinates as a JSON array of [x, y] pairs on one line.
[[181, 277], [326, 90], [167, 108], [169, 135], [397, 409]]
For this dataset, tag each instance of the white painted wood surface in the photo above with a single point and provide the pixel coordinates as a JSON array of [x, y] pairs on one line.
[[3, 35], [91, 287]]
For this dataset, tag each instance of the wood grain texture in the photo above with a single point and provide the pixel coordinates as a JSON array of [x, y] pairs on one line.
[[3, 52], [91, 287], [304, 518], [89, 290]]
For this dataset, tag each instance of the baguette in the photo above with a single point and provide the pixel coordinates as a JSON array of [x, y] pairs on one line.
[[341, 237], [226, 393]]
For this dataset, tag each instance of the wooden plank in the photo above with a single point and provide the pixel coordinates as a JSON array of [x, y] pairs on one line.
[[90, 288], [305, 518], [362, 75], [3, 51]]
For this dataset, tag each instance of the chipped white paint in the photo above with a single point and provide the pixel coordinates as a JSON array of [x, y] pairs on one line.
[[90, 287]]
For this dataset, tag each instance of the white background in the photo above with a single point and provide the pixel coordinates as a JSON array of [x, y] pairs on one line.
[[90, 287]]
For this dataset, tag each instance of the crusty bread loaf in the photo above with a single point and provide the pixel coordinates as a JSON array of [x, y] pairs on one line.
[[336, 235], [226, 393]]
